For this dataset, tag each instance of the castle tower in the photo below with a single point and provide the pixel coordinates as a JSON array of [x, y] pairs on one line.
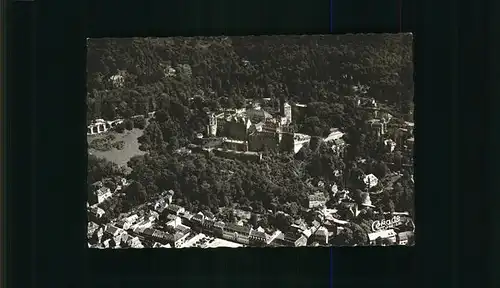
[[288, 112], [212, 125], [282, 105], [285, 111]]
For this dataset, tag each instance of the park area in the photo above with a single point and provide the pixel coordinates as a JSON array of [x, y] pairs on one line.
[[116, 147]]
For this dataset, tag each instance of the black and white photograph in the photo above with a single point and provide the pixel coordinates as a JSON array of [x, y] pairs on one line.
[[250, 141]]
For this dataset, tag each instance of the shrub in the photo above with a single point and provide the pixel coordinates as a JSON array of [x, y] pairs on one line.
[[119, 145], [129, 124], [140, 122], [110, 137], [100, 144], [120, 128]]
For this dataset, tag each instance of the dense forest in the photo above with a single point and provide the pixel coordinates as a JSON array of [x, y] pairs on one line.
[[181, 78], [229, 69]]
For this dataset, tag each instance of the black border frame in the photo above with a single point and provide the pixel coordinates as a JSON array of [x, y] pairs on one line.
[[49, 230]]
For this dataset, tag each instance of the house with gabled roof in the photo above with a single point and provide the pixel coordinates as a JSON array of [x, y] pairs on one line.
[[91, 228], [112, 230], [175, 209], [236, 233], [387, 235], [219, 228], [258, 238]]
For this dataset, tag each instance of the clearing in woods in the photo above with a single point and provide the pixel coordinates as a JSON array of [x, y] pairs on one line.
[[120, 157]]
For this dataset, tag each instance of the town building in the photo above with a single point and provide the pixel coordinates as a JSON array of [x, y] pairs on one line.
[[117, 80], [369, 105], [135, 242], [132, 218], [390, 145], [160, 205], [208, 226], [197, 221], [317, 199], [100, 233], [91, 228], [379, 237], [365, 201], [338, 146], [112, 230], [177, 239], [289, 240], [404, 238], [175, 209], [335, 134], [410, 143], [377, 127], [209, 215], [186, 218], [299, 140], [168, 196], [218, 228], [321, 235], [103, 193], [298, 227], [258, 238], [370, 180], [331, 225], [236, 233], [153, 215], [148, 233], [158, 245], [96, 213]]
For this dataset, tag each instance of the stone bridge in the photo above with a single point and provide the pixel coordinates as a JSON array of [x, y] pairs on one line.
[[100, 125]]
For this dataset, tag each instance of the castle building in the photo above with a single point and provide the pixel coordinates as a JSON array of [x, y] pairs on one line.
[[212, 125], [254, 129], [285, 112]]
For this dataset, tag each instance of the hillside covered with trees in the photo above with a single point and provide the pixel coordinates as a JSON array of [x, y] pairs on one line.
[[229, 69]]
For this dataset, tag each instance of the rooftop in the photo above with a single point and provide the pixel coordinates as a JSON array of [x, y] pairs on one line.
[[174, 208], [198, 217], [317, 197], [381, 234], [120, 223], [111, 228], [292, 237], [321, 231], [182, 229], [300, 105], [219, 224], [103, 190], [258, 234], [209, 223], [209, 214], [148, 231], [405, 235], [171, 217], [237, 228], [300, 137], [278, 242]]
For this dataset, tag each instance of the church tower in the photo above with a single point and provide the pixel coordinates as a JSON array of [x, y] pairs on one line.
[[212, 125]]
